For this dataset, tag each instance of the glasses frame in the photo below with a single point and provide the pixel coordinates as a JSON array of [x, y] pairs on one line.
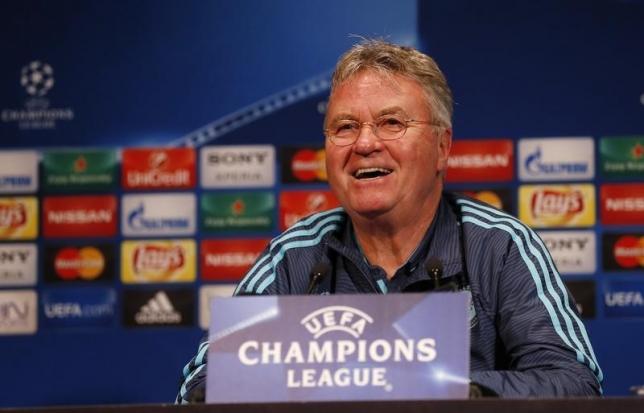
[[374, 129]]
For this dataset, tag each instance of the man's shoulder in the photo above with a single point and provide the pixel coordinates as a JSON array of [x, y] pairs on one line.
[[483, 219], [310, 231]]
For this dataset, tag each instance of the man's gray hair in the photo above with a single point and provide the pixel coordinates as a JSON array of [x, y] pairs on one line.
[[391, 59]]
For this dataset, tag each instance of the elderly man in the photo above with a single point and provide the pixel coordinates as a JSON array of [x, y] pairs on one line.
[[388, 136]]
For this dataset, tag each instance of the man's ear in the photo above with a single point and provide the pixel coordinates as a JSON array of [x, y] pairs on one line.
[[444, 145]]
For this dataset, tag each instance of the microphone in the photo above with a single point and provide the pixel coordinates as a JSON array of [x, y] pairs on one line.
[[319, 271], [434, 268]]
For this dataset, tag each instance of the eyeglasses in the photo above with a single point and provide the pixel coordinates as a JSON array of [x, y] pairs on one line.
[[387, 128]]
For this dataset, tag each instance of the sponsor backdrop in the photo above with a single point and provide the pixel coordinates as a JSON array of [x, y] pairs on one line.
[[143, 169]]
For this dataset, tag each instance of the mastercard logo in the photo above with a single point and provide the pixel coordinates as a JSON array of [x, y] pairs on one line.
[[629, 251], [309, 165], [86, 263], [488, 197]]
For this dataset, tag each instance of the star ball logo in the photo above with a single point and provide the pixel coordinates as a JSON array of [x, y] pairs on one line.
[[324, 325], [37, 80]]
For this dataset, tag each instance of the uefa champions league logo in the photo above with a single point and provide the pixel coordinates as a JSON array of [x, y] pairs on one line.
[[37, 78], [37, 113]]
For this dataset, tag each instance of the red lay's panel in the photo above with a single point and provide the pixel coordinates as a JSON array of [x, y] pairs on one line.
[[295, 205], [481, 161], [79, 216], [229, 259], [622, 204], [164, 168]]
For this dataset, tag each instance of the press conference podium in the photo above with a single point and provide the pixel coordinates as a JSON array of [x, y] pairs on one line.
[[576, 405]]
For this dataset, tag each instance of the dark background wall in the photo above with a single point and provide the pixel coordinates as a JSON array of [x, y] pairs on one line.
[[154, 72]]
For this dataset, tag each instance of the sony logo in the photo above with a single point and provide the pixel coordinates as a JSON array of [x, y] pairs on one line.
[[232, 158], [14, 256]]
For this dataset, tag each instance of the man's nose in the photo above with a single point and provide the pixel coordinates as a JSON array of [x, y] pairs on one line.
[[367, 138]]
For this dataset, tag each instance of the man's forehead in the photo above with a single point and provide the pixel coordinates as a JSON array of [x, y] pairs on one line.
[[390, 92]]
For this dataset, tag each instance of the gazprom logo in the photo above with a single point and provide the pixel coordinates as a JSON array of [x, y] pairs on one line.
[[158, 214], [556, 159], [138, 221], [535, 165], [336, 318]]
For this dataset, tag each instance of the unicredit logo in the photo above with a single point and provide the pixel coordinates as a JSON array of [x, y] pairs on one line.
[[180, 177], [535, 165], [552, 202], [138, 220], [158, 259]]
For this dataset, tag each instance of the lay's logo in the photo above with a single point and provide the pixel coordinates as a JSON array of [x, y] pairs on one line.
[[557, 205], [18, 218], [158, 261]]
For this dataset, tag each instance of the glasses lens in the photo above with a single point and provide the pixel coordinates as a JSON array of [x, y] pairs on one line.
[[390, 127], [344, 132]]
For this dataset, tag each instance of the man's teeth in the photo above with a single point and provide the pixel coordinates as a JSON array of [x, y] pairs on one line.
[[366, 173]]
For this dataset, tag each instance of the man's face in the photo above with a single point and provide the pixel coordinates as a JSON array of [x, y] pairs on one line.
[[407, 176]]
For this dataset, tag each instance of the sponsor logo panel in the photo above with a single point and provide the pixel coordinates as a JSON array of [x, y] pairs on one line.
[[583, 291], [295, 205], [622, 157], [572, 251], [158, 261], [158, 215], [73, 169], [239, 166], [622, 204], [241, 211], [66, 263], [18, 264], [480, 161], [18, 218], [79, 307], [79, 216], [543, 206], [556, 159], [624, 299], [207, 293], [499, 198], [229, 259], [303, 164], [623, 252], [18, 172], [158, 308], [158, 168], [18, 312]]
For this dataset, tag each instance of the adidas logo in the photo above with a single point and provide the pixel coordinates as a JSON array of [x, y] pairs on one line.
[[158, 310]]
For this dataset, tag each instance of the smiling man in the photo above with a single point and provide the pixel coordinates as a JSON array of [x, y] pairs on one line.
[[388, 136]]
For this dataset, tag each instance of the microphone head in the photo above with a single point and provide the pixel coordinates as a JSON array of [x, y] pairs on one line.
[[320, 269], [434, 268]]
